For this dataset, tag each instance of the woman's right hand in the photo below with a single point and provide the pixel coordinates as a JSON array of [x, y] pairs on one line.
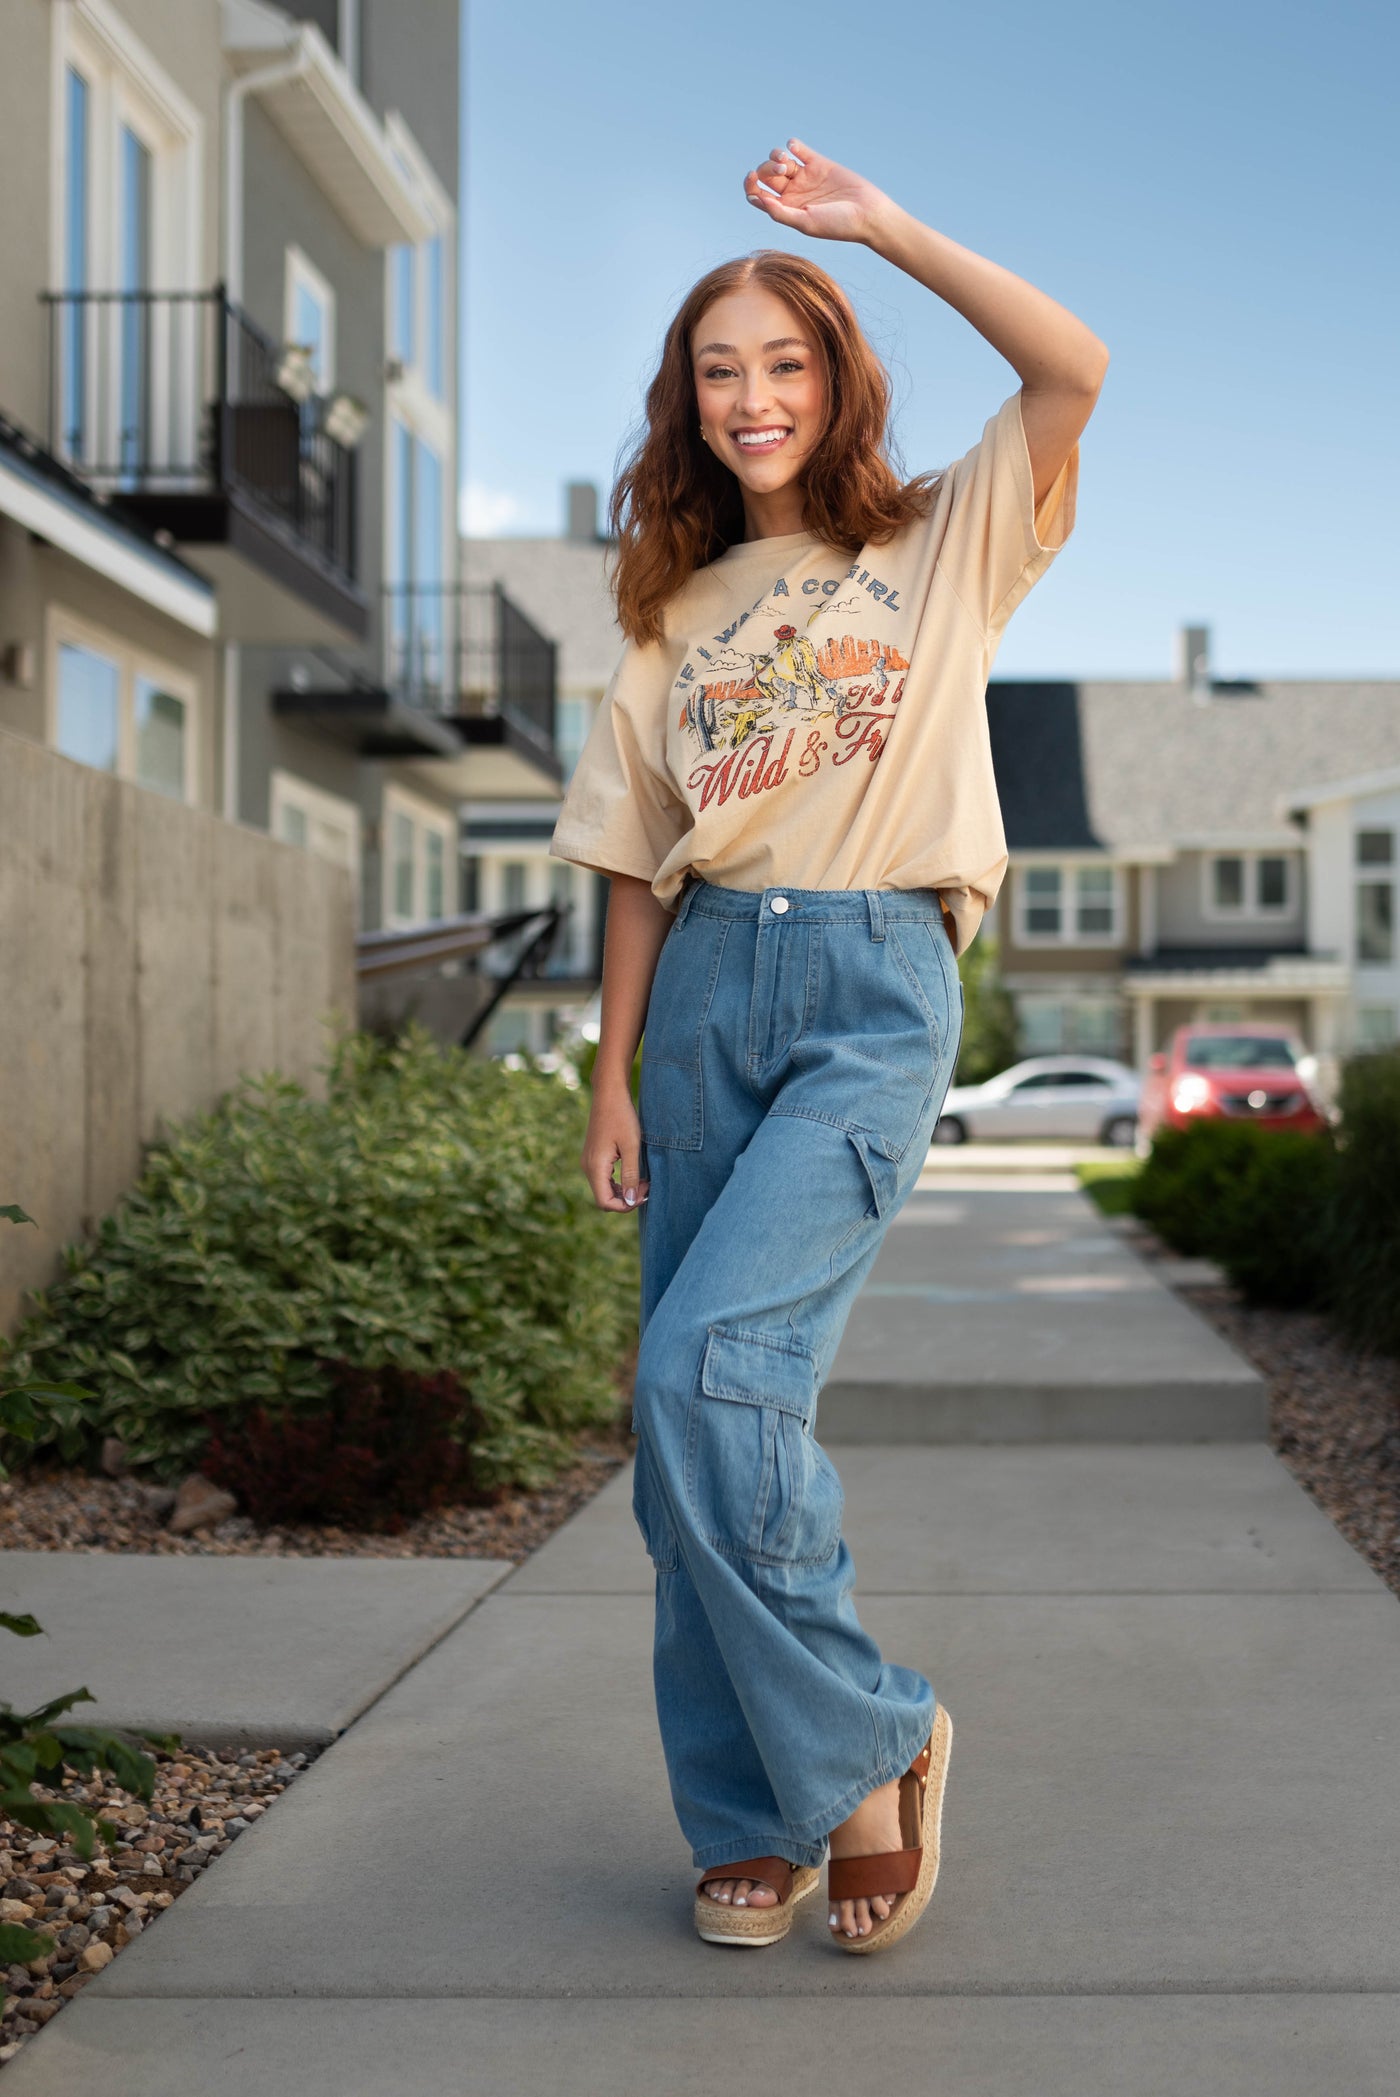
[[614, 1139]]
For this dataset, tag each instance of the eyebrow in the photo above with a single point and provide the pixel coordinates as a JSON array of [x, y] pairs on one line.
[[782, 342]]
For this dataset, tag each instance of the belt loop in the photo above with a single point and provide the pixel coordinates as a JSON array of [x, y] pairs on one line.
[[877, 913], [692, 883]]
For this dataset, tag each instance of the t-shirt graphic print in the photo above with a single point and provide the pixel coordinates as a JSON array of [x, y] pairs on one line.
[[815, 721]]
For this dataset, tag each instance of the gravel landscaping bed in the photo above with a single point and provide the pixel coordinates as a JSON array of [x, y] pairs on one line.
[[203, 1801], [1335, 1417]]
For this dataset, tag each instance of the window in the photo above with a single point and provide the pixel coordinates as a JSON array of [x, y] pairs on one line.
[[1375, 1026], [561, 894], [1076, 905], [160, 738], [315, 821], [1247, 885], [309, 310], [1375, 922], [417, 625], [420, 842], [127, 170], [89, 700], [1084, 1026], [1375, 847], [419, 333], [1043, 900], [514, 876], [117, 711]]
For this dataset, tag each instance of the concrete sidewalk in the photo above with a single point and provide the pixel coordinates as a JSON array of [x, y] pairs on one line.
[[997, 1314], [1169, 1834]]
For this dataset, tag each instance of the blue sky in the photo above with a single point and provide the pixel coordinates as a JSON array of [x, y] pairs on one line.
[[1212, 187]]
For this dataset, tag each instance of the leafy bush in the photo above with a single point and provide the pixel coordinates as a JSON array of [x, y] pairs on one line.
[[390, 1444], [429, 1214], [1257, 1200], [1274, 1235], [1365, 1298], [1187, 1180]]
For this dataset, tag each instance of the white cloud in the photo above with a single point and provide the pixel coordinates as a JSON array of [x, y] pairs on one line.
[[488, 513]]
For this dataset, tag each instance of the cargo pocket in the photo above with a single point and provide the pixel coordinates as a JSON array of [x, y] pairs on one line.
[[650, 1513], [759, 1487], [670, 1101], [881, 1162]]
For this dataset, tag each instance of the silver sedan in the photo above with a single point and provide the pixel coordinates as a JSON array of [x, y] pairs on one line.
[[1078, 1099]]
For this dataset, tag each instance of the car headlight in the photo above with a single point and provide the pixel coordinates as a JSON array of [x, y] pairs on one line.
[[1190, 1093]]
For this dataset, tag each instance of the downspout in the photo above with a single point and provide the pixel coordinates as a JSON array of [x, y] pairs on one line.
[[273, 75]]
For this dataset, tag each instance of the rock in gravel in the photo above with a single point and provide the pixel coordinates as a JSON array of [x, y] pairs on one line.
[[113, 1455], [200, 1504]]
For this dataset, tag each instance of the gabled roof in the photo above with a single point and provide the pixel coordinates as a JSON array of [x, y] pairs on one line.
[[1126, 767]]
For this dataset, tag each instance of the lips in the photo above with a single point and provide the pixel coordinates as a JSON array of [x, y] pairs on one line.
[[762, 439]]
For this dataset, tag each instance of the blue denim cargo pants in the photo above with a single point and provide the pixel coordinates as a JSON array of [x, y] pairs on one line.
[[798, 1044]]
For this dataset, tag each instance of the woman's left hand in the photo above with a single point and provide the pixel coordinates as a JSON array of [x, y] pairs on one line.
[[815, 195]]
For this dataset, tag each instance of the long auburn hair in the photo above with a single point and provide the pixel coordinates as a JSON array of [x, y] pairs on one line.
[[675, 507]]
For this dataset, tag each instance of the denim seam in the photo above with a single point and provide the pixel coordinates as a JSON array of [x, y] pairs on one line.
[[763, 1843]]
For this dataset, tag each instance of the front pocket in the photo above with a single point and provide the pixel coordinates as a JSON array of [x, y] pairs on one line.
[[758, 1486]]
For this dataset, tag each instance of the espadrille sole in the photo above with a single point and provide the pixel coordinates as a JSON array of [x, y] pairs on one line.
[[912, 1904], [718, 1923]]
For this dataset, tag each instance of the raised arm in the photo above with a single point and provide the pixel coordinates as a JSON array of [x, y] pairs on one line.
[[1060, 361]]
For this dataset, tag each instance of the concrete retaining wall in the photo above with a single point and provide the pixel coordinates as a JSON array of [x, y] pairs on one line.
[[150, 955]]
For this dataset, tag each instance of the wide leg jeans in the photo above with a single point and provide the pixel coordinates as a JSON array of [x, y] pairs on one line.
[[797, 1049]]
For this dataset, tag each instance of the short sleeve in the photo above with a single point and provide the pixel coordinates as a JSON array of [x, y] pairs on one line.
[[618, 816], [997, 545]]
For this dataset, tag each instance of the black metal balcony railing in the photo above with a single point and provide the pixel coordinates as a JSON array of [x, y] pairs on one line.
[[175, 393], [467, 649]]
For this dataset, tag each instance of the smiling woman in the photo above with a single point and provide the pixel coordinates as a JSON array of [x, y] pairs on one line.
[[790, 405], [786, 911]]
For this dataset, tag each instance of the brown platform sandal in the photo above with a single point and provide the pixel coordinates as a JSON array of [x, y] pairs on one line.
[[720, 1922], [909, 1873]]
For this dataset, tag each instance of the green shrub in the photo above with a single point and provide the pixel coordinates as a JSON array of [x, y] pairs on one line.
[[1257, 1200], [1365, 1297], [429, 1213], [1274, 1238], [1187, 1180]]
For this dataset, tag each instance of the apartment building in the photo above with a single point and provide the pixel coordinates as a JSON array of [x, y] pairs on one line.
[[229, 429], [561, 584]]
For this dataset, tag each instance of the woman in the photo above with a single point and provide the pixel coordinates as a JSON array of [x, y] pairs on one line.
[[789, 783]]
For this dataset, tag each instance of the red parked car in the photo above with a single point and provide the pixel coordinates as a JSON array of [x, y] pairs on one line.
[[1229, 1069]]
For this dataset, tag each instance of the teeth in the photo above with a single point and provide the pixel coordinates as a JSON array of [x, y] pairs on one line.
[[761, 439]]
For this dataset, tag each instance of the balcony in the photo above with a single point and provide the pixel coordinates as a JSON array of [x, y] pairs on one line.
[[464, 675], [170, 403]]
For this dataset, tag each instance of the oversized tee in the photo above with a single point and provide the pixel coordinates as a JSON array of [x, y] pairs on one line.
[[813, 721]]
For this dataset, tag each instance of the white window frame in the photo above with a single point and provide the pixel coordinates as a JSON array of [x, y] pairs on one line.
[[425, 816], [63, 627], [409, 389], [128, 87], [1251, 911], [300, 272], [1068, 934], [318, 806]]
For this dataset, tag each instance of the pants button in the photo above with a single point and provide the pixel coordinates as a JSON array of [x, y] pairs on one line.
[[778, 903]]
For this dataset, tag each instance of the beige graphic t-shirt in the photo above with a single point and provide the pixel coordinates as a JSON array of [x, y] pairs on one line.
[[811, 721]]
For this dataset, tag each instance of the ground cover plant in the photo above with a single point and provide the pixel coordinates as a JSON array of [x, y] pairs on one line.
[[428, 1215]]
